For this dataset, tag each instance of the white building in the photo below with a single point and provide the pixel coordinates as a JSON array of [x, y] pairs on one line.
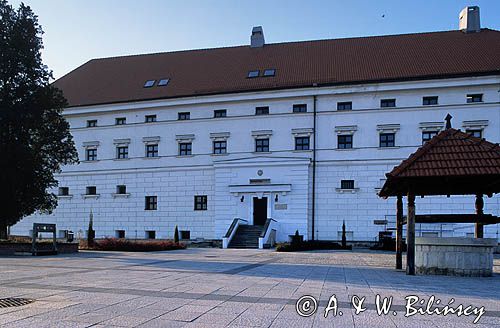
[[299, 132]]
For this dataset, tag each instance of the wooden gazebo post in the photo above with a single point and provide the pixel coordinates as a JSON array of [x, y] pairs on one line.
[[479, 231], [399, 233], [410, 235]]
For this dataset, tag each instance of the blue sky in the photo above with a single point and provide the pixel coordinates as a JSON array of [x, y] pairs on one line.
[[77, 31]]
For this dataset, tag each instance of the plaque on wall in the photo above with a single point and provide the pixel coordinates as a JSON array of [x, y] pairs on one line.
[[280, 206]]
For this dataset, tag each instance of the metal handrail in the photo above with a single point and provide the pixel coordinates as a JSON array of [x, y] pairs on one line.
[[266, 227], [232, 227]]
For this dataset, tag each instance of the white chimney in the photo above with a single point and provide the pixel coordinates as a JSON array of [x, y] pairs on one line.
[[257, 38], [469, 20]]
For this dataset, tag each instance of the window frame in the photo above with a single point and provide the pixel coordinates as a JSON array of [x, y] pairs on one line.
[[220, 113], [261, 110], [63, 191], [474, 98], [347, 184], [151, 153], [120, 234], [90, 154], [299, 108], [302, 145], [163, 82], [217, 146], [429, 132], [200, 202], [149, 83], [88, 190], [150, 118], [388, 103], [428, 100], [269, 72], [188, 149], [262, 146], [91, 123], [253, 74], [150, 203], [121, 189], [120, 121], [342, 105], [386, 143], [183, 116], [346, 144], [120, 154], [473, 131]]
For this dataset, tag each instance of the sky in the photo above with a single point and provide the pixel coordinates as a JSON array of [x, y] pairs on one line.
[[77, 31]]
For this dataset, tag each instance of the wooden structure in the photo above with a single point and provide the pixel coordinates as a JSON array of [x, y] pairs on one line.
[[451, 163]]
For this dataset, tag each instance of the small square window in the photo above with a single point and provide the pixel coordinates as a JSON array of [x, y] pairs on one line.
[[120, 121], [91, 154], [150, 234], [253, 74], [200, 203], [345, 105], [220, 113], [185, 234], [220, 147], [269, 72], [264, 110], [384, 103], [344, 141], [63, 191], [121, 189], [183, 116], [91, 190], [387, 140], [301, 143], [185, 148], [427, 101], [428, 135], [122, 152], [475, 98], [151, 203], [149, 83], [150, 118], [163, 82], [475, 133], [300, 108], [91, 123], [152, 150], [261, 145], [346, 184], [120, 234]]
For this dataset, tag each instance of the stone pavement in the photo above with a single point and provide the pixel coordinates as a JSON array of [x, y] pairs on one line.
[[229, 288]]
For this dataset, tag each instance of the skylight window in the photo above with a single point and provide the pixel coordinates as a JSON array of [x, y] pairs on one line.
[[252, 74], [149, 83], [163, 82], [269, 72]]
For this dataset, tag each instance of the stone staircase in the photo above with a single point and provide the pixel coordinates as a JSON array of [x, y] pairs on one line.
[[246, 236]]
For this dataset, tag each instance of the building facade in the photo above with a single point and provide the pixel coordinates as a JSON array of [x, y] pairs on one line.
[[308, 155]]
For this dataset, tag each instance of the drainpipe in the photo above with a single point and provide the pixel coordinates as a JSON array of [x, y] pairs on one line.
[[314, 168]]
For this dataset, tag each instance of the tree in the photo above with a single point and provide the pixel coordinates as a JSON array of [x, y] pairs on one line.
[[176, 235], [91, 231], [344, 239], [34, 137]]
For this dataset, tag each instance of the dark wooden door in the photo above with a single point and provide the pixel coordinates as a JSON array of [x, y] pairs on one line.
[[259, 211]]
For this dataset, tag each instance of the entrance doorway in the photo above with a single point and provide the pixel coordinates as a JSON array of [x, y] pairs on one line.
[[259, 210]]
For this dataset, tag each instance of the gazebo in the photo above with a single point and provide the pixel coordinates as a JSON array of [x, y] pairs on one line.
[[451, 163]]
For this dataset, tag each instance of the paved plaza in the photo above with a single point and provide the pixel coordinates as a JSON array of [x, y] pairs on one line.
[[229, 288]]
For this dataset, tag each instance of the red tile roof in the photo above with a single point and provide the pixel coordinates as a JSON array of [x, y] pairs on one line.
[[297, 64], [452, 157]]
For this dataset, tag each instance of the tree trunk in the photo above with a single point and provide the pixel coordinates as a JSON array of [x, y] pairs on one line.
[[3, 231]]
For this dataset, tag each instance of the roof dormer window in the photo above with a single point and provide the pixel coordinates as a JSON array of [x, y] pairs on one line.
[[149, 83], [163, 82], [270, 72], [252, 74]]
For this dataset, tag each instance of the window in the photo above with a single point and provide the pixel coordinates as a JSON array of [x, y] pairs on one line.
[[185, 234], [262, 110], [300, 108], [122, 152], [387, 139], [152, 150], [344, 141], [63, 191], [185, 148], [261, 145], [345, 105], [200, 203], [163, 82], [301, 143], [91, 190], [475, 98], [151, 203], [475, 133], [120, 233], [183, 116], [253, 74], [269, 72], [121, 189], [120, 121], [388, 103], [220, 113], [150, 234], [220, 147], [426, 101], [346, 184], [150, 118], [149, 83], [91, 154], [91, 123], [428, 135]]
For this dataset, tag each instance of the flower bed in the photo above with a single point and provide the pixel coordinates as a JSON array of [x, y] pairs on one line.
[[129, 245]]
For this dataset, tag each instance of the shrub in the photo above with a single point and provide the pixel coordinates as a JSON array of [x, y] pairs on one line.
[[127, 245], [309, 245]]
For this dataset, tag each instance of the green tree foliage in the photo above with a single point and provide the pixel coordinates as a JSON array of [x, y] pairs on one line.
[[34, 137], [176, 235]]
